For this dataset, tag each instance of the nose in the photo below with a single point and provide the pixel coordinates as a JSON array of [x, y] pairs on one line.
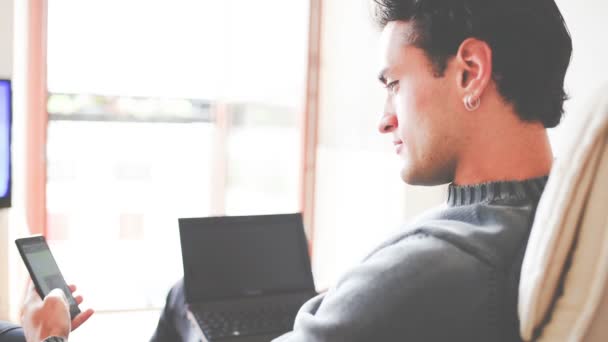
[[388, 123]]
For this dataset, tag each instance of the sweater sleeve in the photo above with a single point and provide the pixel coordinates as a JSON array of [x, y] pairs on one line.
[[420, 288]]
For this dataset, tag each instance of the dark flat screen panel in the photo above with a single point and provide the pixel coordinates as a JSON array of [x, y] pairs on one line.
[[241, 256], [5, 143]]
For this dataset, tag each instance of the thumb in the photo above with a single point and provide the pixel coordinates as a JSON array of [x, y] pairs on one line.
[[56, 297]]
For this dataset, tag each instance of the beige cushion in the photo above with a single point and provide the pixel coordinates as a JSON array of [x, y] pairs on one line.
[[571, 224]]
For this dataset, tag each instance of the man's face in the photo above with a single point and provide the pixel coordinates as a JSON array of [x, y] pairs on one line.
[[417, 111]]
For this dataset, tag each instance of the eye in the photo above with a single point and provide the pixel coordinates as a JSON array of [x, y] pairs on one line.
[[392, 86]]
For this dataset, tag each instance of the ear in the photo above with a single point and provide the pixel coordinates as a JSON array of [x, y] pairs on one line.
[[474, 60]]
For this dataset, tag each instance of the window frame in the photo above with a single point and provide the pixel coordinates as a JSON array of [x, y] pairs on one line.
[[37, 120]]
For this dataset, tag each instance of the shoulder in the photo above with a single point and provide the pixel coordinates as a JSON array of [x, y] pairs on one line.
[[422, 270], [428, 257], [493, 235], [417, 283]]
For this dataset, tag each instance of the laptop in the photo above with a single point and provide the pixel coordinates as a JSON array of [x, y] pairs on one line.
[[245, 277]]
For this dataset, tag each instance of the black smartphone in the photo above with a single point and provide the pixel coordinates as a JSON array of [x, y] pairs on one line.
[[43, 269]]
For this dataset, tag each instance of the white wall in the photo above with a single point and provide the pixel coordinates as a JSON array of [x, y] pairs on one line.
[[6, 38], [6, 71], [588, 26], [360, 198]]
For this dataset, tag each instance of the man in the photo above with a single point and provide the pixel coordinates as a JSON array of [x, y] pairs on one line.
[[471, 87]]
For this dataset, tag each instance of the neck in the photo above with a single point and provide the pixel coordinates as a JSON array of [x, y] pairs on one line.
[[506, 149]]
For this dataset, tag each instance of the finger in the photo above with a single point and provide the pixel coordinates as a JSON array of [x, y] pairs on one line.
[[31, 292], [57, 295], [78, 299], [72, 288], [32, 300], [32, 296], [81, 318]]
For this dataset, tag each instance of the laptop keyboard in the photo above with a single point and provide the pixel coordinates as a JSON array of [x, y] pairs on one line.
[[217, 325]]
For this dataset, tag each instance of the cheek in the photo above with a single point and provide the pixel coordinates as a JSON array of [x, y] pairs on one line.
[[414, 105], [405, 104], [424, 95], [424, 127]]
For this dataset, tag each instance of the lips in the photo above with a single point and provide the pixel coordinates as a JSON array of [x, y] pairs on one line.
[[398, 146]]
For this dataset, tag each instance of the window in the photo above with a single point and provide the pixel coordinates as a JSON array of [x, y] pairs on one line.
[[160, 110]]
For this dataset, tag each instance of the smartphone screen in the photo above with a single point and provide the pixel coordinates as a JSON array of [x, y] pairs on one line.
[[43, 269]]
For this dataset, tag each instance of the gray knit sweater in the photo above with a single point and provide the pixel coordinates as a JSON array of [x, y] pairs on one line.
[[452, 275]]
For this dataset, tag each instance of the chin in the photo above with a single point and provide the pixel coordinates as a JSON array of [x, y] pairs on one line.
[[423, 176], [410, 179], [409, 175]]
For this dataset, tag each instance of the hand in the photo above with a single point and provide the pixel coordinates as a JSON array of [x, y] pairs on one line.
[[41, 319], [51, 316]]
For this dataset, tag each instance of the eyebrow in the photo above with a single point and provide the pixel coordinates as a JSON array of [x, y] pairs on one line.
[[382, 76]]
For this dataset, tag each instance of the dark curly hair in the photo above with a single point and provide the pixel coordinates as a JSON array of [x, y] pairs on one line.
[[531, 45]]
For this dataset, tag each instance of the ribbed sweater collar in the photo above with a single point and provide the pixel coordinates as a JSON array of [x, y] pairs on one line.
[[486, 192]]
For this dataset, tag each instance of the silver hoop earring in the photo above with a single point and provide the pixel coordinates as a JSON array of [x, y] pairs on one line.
[[471, 103]]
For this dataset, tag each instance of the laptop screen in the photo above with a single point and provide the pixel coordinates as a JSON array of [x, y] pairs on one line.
[[244, 256]]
